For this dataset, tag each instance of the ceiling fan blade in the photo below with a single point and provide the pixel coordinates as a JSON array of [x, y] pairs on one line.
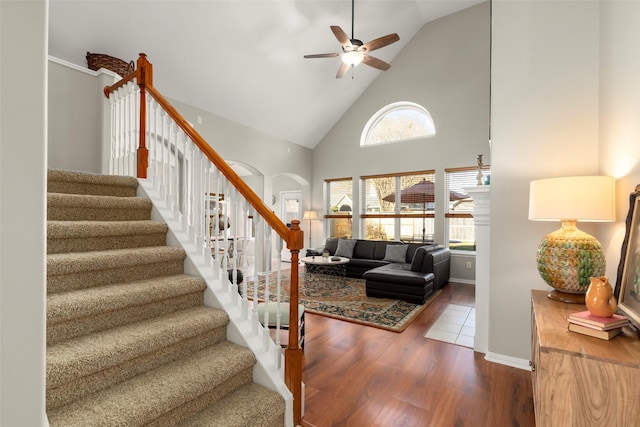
[[380, 42], [342, 70], [322, 55], [341, 36], [375, 63]]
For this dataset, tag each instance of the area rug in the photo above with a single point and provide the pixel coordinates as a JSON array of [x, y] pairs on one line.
[[347, 302]]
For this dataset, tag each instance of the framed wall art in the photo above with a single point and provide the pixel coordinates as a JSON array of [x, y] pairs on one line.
[[627, 289]]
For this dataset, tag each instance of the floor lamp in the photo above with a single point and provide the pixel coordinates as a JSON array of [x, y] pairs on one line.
[[310, 215]]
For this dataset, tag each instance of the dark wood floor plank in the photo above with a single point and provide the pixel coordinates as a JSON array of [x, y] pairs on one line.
[[363, 376]]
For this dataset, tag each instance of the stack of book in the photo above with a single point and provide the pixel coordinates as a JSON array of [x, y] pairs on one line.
[[604, 328]]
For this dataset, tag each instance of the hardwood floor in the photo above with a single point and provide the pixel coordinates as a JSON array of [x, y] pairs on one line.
[[362, 376]]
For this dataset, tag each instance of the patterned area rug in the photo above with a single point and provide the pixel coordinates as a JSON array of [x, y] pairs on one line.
[[346, 301]]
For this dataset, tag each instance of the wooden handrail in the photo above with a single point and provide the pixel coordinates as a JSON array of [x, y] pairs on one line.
[[294, 236]]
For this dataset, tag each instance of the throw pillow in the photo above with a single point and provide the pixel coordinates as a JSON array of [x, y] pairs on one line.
[[396, 253], [345, 248]]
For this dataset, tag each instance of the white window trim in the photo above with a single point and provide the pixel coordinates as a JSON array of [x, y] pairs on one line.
[[381, 114]]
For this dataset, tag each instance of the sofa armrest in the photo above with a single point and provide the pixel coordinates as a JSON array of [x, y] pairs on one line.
[[438, 261]]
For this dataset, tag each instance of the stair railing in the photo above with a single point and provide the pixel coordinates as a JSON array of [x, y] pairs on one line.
[[222, 215]]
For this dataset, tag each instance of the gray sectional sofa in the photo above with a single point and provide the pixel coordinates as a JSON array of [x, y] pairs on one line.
[[407, 271]]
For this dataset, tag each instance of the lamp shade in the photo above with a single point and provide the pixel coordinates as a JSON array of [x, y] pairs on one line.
[[584, 198], [309, 215]]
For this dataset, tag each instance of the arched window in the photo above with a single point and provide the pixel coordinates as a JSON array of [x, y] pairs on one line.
[[400, 121]]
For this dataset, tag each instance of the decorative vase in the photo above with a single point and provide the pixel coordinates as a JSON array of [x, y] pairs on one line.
[[599, 298]]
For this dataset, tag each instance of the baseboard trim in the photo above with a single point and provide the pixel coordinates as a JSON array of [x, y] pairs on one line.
[[502, 359], [463, 281]]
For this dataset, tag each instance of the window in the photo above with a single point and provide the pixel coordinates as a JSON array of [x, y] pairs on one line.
[[339, 206], [399, 206], [396, 122], [459, 212]]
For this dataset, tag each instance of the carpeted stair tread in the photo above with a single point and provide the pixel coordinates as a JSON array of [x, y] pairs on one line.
[[84, 236], [102, 350], [66, 263], [89, 302], [148, 397], [79, 207], [71, 182], [266, 410], [78, 270]]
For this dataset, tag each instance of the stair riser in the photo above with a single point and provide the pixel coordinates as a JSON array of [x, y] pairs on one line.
[[201, 402], [92, 189], [89, 244], [61, 213], [82, 386], [88, 279], [79, 327]]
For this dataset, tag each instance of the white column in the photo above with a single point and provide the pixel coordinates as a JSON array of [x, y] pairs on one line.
[[481, 217]]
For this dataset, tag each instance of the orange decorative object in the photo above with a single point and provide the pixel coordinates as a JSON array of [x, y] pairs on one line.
[[599, 298]]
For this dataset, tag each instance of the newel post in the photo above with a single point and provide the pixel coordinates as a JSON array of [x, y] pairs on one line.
[[145, 78], [293, 352]]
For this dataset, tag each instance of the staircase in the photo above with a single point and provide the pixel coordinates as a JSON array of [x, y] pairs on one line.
[[129, 339]]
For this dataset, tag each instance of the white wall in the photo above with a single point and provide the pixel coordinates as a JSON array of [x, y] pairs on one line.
[[444, 68], [75, 118], [619, 112], [544, 123], [23, 151]]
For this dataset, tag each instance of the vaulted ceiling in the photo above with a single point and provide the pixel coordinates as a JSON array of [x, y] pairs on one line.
[[243, 60]]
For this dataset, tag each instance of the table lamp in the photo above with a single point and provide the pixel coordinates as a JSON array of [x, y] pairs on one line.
[[310, 215], [568, 257]]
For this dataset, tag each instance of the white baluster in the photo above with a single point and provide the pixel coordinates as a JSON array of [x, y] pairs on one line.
[[155, 152], [278, 291], [194, 202], [135, 129], [112, 136]]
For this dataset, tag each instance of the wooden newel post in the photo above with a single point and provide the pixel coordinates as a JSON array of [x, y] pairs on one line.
[[145, 78], [293, 352]]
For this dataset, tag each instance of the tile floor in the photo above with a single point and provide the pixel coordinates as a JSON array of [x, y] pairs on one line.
[[456, 325]]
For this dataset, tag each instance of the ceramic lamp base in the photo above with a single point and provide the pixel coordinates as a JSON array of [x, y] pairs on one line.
[[565, 297], [568, 258]]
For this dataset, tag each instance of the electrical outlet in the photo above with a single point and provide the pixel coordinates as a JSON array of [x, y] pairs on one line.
[[468, 264]]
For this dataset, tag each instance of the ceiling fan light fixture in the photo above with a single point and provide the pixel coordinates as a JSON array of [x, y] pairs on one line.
[[352, 58]]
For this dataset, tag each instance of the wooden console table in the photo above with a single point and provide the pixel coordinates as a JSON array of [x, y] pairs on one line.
[[580, 380]]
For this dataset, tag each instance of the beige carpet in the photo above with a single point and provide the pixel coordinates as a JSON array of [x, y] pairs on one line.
[[347, 302], [129, 339]]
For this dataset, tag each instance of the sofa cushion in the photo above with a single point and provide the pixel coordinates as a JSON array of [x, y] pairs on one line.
[[345, 248], [398, 274], [380, 248], [331, 245], [396, 253], [418, 259], [365, 264], [411, 251], [365, 249]]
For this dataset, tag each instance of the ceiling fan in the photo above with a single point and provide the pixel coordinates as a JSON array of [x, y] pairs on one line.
[[354, 51]]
